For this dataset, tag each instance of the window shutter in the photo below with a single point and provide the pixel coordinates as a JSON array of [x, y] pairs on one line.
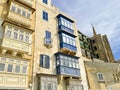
[[43, 15], [47, 61], [41, 61], [47, 16]]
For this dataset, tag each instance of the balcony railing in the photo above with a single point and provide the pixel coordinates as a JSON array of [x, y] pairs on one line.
[[68, 71], [28, 2], [19, 18], [15, 45], [68, 46], [48, 42], [61, 27]]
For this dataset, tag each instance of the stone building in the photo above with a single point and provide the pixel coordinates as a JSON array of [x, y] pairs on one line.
[[16, 31], [102, 75], [96, 46]]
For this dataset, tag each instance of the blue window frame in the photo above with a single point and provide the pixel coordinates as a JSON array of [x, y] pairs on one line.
[[48, 40], [67, 64], [45, 1], [45, 15], [44, 61]]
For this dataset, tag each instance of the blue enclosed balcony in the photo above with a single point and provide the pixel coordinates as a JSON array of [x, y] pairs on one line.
[[67, 65], [66, 29], [68, 71], [68, 46]]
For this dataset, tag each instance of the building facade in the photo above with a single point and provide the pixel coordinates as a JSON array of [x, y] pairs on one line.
[[16, 31], [42, 49], [102, 75], [56, 60], [96, 46]]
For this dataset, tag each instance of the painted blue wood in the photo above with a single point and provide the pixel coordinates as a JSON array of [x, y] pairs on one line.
[[62, 27], [45, 15], [45, 1], [68, 71], [47, 63], [68, 46]]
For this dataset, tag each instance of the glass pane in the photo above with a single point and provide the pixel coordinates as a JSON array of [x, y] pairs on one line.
[[10, 67], [28, 15], [2, 67], [13, 8], [8, 34], [17, 69], [24, 70], [43, 85], [49, 86], [21, 37], [23, 13], [15, 35], [3, 59], [26, 38], [19, 11]]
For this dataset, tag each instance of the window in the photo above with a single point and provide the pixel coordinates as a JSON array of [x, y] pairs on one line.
[[48, 40], [44, 61], [17, 69], [15, 35], [68, 39], [26, 38], [97, 56], [8, 34], [18, 11], [100, 77], [24, 69], [95, 48], [23, 13], [45, 1], [13, 8], [48, 83], [21, 37], [50, 86], [28, 15], [2, 67], [45, 15], [10, 67], [65, 23]]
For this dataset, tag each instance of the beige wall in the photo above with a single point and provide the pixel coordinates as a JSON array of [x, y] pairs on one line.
[[107, 69]]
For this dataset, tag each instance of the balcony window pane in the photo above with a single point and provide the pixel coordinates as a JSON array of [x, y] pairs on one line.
[[17, 69], [13, 8], [24, 13], [10, 67], [24, 70], [49, 86], [3, 58], [2, 67], [15, 35], [8, 34], [28, 15], [18, 11], [26, 38], [21, 37]]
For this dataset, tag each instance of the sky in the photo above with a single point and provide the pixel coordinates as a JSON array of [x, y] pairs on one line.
[[103, 14]]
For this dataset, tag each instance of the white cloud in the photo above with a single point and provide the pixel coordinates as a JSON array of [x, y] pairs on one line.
[[104, 14]]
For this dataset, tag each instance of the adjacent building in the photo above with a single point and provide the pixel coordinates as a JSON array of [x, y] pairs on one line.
[[16, 30], [102, 75], [96, 46]]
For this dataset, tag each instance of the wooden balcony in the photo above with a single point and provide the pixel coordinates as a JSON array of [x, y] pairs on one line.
[[19, 19]]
